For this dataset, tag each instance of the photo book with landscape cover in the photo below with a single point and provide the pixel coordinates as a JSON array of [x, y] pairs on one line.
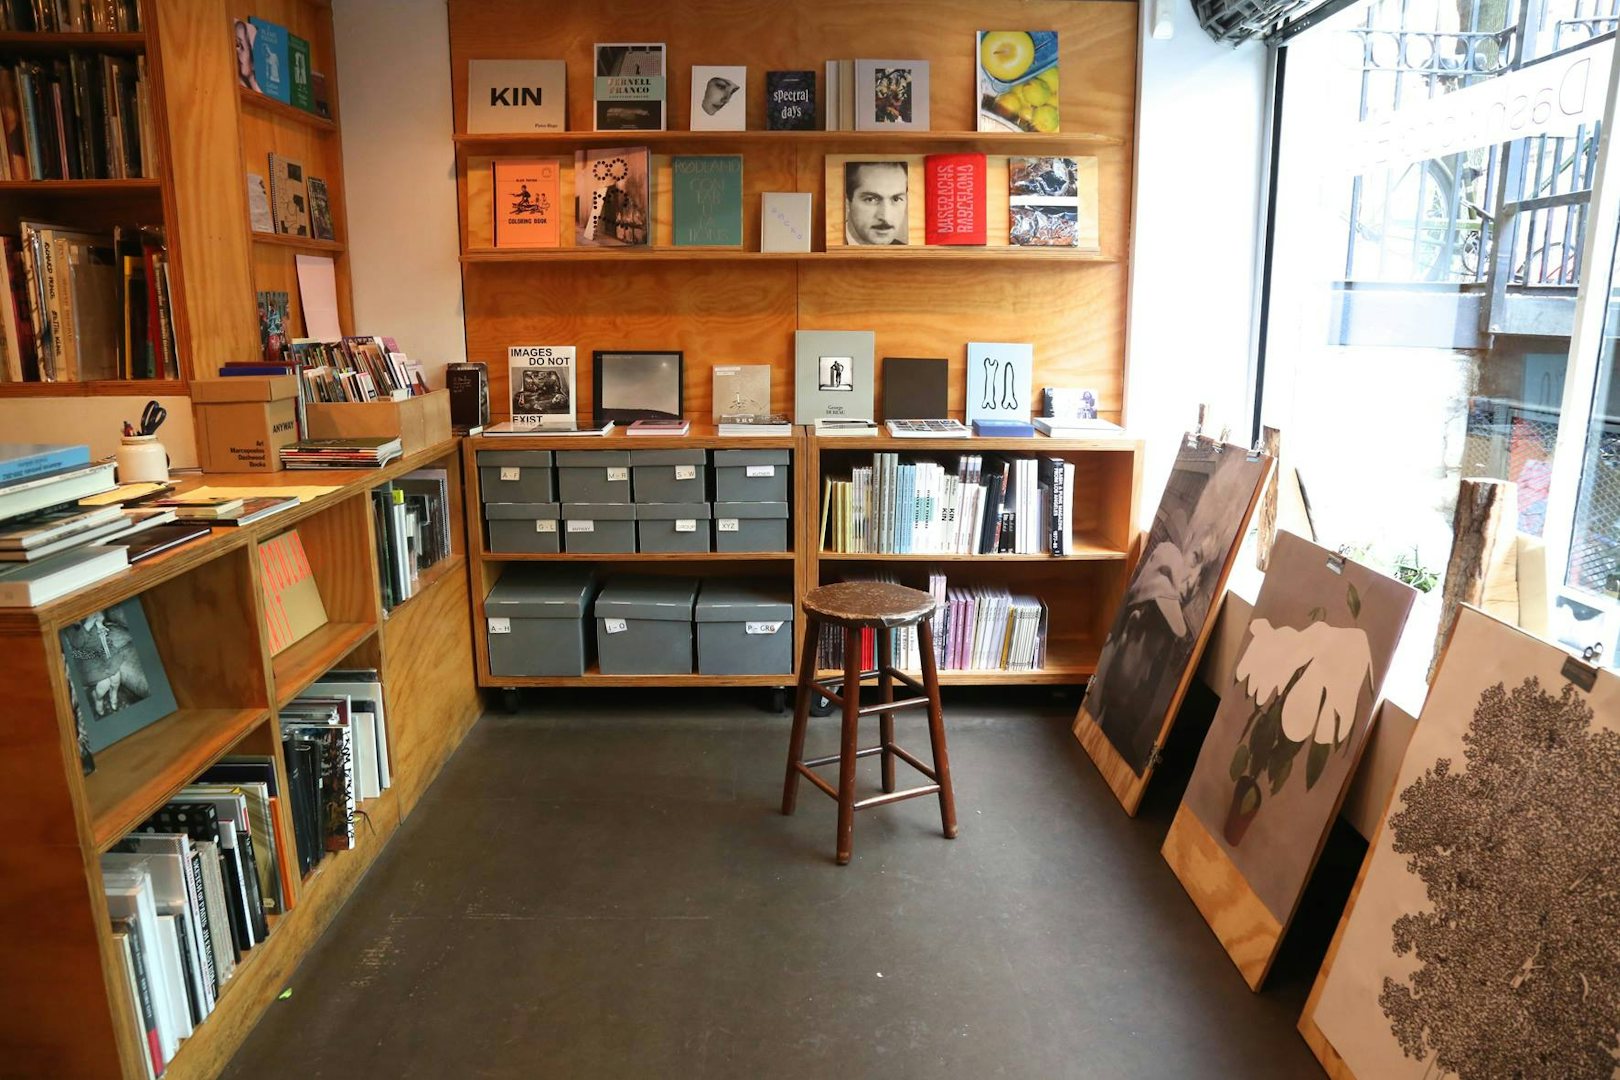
[[1052, 202]]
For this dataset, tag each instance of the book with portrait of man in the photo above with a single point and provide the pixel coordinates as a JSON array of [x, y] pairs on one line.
[[875, 205], [115, 675]]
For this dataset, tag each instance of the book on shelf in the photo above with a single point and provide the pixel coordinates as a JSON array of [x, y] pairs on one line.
[[514, 427], [229, 511], [202, 507], [62, 487], [75, 16], [719, 97], [1062, 428], [954, 199], [834, 426], [157, 538], [119, 684], [320, 211], [790, 100], [44, 534], [975, 628], [260, 219], [1065, 403], [1016, 80], [613, 197], [658, 427], [1003, 429], [784, 221], [833, 375], [270, 68], [364, 691], [412, 516], [510, 96], [630, 87], [542, 381], [289, 196], [999, 377], [890, 95], [327, 723], [527, 202], [355, 368], [916, 388], [707, 200], [81, 116], [989, 504], [928, 429], [30, 584], [1052, 202], [293, 608], [756, 424], [741, 390]]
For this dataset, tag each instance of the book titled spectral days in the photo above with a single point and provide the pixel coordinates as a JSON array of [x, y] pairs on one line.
[[954, 198], [790, 100], [528, 201], [708, 200]]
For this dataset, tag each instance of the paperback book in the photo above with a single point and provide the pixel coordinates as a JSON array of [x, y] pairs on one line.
[[719, 98], [289, 199], [528, 203], [1052, 202], [630, 87], [954, 199], [707, 200], [916, 388], [790, 100], [270, 59], [260, 219], [542, 381], [999, 377], [509, 96], [119, 683], [741, 390], [320, 211], [891, 95], [833, 375], [613, 197], [1017, 80], [784, 221]]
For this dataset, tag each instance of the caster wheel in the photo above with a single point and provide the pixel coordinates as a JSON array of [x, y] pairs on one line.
[[779, 701], [509, 700], [821, 706]]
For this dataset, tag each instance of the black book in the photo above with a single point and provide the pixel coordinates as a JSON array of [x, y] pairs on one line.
[[250, 879], [468, 384], [188, 971], [995, 481], [301, 757], [916, 388], [790, 100]]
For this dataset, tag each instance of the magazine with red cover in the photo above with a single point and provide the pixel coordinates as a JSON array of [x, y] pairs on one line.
[[954, 198]]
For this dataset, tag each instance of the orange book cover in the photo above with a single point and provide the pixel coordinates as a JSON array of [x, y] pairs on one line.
[[528, 203]]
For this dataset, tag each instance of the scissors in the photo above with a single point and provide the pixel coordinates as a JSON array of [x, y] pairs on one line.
[[152, 418]]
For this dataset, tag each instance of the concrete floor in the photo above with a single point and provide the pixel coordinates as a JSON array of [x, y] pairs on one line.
[[604, 888]]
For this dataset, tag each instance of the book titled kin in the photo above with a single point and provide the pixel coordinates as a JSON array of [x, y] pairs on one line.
[[954, 199], [528, 201]]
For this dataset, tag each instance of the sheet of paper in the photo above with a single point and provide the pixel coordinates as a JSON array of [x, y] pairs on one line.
[[317, 292], [305, 493]]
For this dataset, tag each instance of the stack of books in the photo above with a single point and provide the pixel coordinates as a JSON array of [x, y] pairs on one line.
[[349, 452], [975, 628], [412, 530], [756, 424], [66, 16], [189, 893], [335, 743], [79, 116], [989, 504], [48, 545]]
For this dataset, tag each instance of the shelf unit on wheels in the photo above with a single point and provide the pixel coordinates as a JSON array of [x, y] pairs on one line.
[[1082, 590], [67, 1010], [487, 566]]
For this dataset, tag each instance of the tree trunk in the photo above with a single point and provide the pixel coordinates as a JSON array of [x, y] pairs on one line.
[[1483, 569]]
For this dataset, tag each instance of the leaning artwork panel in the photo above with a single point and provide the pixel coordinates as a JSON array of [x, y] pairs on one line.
[[1484, 940]]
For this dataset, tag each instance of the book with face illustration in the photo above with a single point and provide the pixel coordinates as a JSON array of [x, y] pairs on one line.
[[999, 376], [719, 97]]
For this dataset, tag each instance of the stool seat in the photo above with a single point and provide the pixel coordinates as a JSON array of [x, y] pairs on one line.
[[868, 603]]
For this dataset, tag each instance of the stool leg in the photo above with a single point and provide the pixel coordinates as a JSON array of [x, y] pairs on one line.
[[849, 743], [936, 729], [885, 695], [801, 713]]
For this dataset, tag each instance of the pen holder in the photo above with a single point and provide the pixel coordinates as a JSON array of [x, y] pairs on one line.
[[142, 458]]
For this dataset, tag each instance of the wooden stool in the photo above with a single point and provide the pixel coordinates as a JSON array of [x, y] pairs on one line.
[[855, 605]]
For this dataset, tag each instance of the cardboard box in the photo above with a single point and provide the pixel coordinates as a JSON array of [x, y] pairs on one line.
[[420, 422], [242, 423]]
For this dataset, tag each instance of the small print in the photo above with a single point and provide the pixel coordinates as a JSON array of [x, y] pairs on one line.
[[835, 373], [511, 472], [686, 525], [686, 472], [545, 526]]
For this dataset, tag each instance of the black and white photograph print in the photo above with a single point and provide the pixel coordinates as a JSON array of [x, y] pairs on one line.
[[835, 374], [118, 682], [876, 206], [891, 98], [633, 386], [1206, 505]]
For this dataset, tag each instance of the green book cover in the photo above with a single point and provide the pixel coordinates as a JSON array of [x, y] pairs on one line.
[[708, 200], [298, 62]]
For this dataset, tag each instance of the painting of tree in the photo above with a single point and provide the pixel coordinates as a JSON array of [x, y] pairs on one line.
[[1518, 961]]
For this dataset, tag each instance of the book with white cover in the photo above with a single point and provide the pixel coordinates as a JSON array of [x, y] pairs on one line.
[[542, 385], [30, 584], [999, 377], [511, 96], [891, 95], [784, 224], [719, 97], [129, 896]]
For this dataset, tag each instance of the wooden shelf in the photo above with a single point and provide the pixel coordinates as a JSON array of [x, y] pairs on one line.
[[1037, 143], [1086, 549], [13, 42], [252, 99], [304, 661], [702, 436], [82, 188], [644, 556], [303, 243], [95, 388], [1122, 442], [910, 253], [136, 775], [444, 568]]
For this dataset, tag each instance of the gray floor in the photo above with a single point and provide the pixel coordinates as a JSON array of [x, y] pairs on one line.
[[604, 888]]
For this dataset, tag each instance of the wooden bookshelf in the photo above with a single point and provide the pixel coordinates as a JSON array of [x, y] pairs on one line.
[[254, 101], [301, 243], [81, 188], [29, 43], [897, 255], [203, 603]]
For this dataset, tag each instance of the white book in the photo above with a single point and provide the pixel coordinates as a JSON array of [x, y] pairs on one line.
[[129, 896], [175, 973], [1067, 510], [30, 584], [366, 780], [372, 693], [166, 849], [219, 916], [170, 875]]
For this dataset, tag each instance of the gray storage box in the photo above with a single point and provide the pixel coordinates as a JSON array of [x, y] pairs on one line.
[[750, 526], [599, 528], [744, 628], [593, 476], [522, 528], [673, 526], [669, 476], [750, 476], [537, 621], [644, 626], [515, 476]]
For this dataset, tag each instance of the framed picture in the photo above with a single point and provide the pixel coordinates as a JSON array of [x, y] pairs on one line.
[[115, 675], [636, 386]]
